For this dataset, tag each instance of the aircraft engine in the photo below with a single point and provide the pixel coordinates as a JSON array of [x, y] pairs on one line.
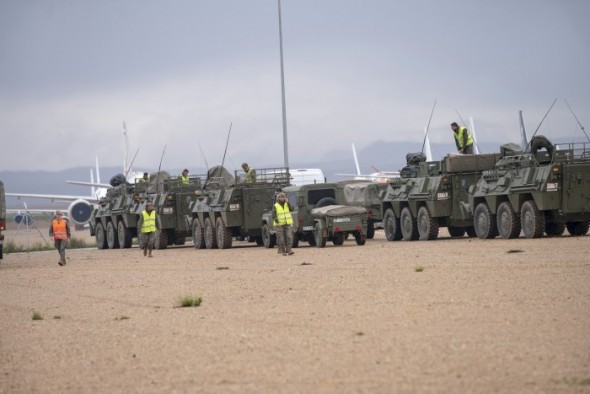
[[24, 218], [79, 211]]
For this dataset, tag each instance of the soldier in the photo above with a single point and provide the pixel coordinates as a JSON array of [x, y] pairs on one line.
[[463, 138], [283, 223], [145, 178], [146, 228], [184, 177], [250, 173], [136, 203], [60, 232]]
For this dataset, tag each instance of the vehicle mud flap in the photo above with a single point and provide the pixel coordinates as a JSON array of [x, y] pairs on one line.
[[295, 240], [456, 232]]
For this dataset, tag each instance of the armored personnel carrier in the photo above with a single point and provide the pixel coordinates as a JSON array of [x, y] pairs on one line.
[[319, 214], [545, 190], [228, 207], [114, 221], [430, 195]]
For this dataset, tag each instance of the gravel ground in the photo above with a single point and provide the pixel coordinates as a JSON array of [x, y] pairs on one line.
[[508, 316]]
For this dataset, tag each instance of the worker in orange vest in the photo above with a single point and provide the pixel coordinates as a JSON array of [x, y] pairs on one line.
[[60, 232]]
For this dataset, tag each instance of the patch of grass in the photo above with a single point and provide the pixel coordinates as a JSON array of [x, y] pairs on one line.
[[222, 268], [360, 333], [190, 301], [418, 268], [37, 316], [122, 318], [584, 382], [78, 243], [11, 247], [57, 317]]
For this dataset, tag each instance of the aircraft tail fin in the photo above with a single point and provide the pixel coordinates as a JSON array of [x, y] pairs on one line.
[[427, 150], [474, 136], [524, 142], [356, 160]]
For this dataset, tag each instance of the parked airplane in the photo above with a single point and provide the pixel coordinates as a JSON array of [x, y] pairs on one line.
[[377, 176]]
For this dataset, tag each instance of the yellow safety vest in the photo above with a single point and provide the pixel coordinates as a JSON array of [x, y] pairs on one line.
[[250, 176], [459, 136], [184, 179], [149, 222], [283, 215]]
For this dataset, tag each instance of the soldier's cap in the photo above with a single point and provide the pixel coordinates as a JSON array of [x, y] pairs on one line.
[[454, 124], [185, 170]]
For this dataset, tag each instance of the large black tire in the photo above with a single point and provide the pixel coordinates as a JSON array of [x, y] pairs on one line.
[[222, 234], [370, 229], [338, 239], [554, 229], [112, 237], [295, 240], [408, 225], [198, 234], [484, 222], [427, 225], [101, 237], [320, 240], [470, 232], [391, 226], [577, 228], [210, 238], [161, 241], [360, 238], [508, 221], [268, 240], [532, 220], [324, 202], [456, 232], [125, 235], [310, 237]]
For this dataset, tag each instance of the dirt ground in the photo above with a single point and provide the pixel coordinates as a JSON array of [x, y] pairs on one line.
[[509, 316]]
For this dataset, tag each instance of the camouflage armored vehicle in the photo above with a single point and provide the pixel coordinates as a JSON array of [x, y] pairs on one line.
[[370, 196], [228, 207], [2, 218], [319, 214], [430, 195], [114, 222], [542, 191]]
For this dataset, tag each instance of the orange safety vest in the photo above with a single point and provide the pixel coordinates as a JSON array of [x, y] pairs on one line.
[[59, 229]]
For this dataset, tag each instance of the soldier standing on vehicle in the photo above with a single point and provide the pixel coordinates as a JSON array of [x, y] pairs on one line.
[[283, 223], [184, 177], [144, 179], [146, 227], [250, 173], [60, 232], [463, 138]]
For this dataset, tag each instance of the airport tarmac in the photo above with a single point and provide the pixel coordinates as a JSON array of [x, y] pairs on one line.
[[483, 316]]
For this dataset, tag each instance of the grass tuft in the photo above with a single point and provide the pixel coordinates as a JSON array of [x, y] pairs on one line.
[[57, 317], [75, 243], [190, 301], [122, 318], [37, 316], [418, 268]]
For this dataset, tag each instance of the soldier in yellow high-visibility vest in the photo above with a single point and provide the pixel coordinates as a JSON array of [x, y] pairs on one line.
[[146, 228], [463, 138], [283, 223], [184, 177]]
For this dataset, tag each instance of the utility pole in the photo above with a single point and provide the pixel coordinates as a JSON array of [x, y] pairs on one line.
[[285, 138]]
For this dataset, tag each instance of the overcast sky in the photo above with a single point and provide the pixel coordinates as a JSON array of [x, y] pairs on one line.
[[179, 72]]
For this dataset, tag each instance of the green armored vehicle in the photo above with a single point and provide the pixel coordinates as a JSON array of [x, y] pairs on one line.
[[228, 207], [430, 195], [114, 222], [319, 214], [542, 191]]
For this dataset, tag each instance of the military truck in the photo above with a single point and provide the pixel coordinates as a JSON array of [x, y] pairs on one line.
[[114, 221], [228, 207], [370, 196], [319, 214], [430, 195], [545, 190], [2, 218]]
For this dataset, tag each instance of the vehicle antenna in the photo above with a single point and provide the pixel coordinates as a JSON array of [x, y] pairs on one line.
[[582, 127], [204, 158], [159, 167], [428, 126], [226, 143], [542, 120], [131, 165]]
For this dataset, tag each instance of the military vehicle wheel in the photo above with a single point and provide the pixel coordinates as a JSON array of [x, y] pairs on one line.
[[554, 229], [338, 239], [408, 225], [391, 226], [320, 240], [370, 230], [161, 241], [427, 225], [456, 232], [112, 238], [532, 220], [268, 240], [470, 232], [210, 239], [507, 221], [311, 239], [101, 238], [360, 238], [324, 202], [295, 241], [222, 234], [484, 222], [125, 235], [577, 228], [198, 234]]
